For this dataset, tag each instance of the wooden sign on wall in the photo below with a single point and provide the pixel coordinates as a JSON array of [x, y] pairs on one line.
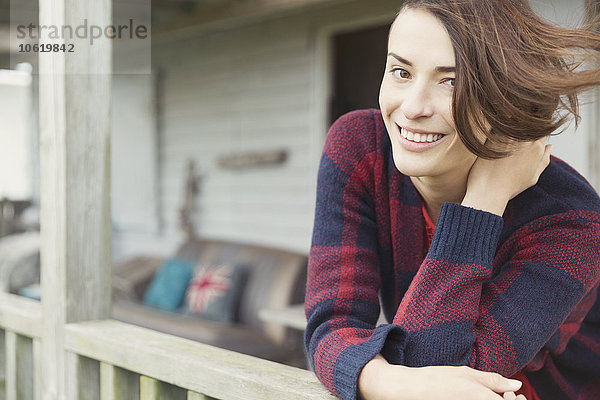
[[252, 160]]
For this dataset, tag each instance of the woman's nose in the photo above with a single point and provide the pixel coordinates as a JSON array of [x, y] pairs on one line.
[[417, 102]]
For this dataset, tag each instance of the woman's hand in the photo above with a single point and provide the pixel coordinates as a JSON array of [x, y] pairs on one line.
[[380, 380], [492, 183], [513, 396]]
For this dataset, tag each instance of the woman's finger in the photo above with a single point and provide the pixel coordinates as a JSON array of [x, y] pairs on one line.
[[509, 396], [498, 383]]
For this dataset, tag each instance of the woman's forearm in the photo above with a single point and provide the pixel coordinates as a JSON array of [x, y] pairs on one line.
[[380, 380], [369, 379]]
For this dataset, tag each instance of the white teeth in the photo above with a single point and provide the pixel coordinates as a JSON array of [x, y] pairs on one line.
[[420, 137]]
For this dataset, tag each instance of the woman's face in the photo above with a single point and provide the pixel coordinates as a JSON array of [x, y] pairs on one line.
[[416, 98]]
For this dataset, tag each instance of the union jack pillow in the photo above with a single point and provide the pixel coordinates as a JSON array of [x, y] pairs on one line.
[[215, 291]]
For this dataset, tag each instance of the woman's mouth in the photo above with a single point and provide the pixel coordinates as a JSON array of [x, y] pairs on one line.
[[419, 137], [419, 141]]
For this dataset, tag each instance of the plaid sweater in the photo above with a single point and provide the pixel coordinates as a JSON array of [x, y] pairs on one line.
[[510, 294]]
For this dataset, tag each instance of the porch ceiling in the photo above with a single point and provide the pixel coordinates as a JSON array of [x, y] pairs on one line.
[[166, 15], [205, 13]]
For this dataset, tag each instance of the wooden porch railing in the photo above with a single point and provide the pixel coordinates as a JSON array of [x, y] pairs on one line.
[[20, 335], [123, 361], [67, 347]]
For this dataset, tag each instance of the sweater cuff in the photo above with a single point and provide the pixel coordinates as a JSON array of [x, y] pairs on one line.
[[465, 235], [353, 359]]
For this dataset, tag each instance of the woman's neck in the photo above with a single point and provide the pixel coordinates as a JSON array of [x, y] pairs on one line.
[[435, 191]]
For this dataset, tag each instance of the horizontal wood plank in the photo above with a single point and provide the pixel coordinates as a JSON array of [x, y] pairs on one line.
[[194, 366], [21, 315]]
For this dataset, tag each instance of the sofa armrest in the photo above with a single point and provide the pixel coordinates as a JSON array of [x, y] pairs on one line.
[[132, 277]]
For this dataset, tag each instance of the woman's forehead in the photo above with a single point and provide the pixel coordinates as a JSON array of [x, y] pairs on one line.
[[418, 35]]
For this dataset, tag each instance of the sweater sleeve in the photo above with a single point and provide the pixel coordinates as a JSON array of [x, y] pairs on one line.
[[342, 304], [461, 310]]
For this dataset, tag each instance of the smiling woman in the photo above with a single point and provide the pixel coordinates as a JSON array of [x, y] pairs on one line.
[[446, 209], [416, 100]]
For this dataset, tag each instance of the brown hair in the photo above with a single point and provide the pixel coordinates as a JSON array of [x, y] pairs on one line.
[[517, 76]]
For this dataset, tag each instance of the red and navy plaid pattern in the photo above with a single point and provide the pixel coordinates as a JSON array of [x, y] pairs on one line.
[[510, 294]]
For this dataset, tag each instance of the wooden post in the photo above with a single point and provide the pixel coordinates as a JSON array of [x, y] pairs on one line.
[[11, 365], [118, 384], [592, 12], [595, 144], [19, 367], [151, 389], [75, 182], [83, 378], [37, 369], [197, 396]]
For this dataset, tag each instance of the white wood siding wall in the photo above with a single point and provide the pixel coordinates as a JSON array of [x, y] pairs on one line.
[[241, 92], [133, 185], [245, 90], [15, 135]]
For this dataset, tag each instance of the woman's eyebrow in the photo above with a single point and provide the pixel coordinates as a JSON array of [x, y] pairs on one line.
[[445, 69], [403, 60]]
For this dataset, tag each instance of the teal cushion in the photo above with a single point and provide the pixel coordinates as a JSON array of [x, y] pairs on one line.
[[167, 289], [32, 291]]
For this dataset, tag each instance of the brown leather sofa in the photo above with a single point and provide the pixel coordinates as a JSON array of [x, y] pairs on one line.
[[276, 279]]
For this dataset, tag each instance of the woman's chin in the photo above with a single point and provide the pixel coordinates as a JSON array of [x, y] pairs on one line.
[[413, 172], [414, 168]]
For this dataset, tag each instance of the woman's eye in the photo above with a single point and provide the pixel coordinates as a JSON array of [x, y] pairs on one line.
[[401, 73], [449, 81]]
